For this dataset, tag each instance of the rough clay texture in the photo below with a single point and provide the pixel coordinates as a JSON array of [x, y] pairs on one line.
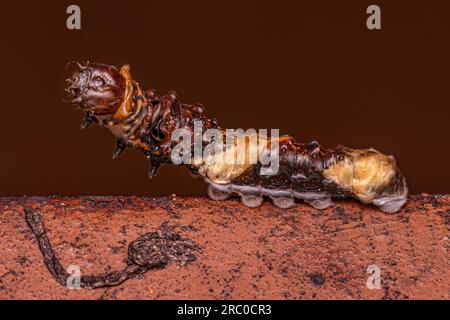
[[263, 253]]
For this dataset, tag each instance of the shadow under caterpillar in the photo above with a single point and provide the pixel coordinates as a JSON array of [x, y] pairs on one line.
[[307, 171]]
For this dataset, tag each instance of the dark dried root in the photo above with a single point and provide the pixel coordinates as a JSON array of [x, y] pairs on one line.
[[152, 250], [36, 223]]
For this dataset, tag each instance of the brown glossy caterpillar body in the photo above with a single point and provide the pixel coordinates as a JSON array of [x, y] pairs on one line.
[[145, 121]]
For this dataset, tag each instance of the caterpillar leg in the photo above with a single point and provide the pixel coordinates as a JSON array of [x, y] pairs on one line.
[[87, 120], [320, 204], [153, 170], [251, 196], [391, 207], [119, 148], [216, 194], [391, 204], [283, 202], [251, 201]]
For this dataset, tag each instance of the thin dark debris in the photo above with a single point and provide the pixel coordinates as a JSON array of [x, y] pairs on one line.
[[166, 203], [152, 250]]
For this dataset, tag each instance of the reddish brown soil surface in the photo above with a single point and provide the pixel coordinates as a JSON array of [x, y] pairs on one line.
[[264, 253]]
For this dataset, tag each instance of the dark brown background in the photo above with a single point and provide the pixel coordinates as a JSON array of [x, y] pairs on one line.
[[311, 69]]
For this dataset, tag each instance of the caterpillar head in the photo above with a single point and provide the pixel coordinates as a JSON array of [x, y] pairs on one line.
[[97, 88], [372, 177]]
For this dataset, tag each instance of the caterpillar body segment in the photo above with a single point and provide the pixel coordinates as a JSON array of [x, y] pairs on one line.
[[146, 121]]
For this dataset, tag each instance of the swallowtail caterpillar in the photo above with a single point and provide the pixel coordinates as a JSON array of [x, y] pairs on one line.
[[145, 121]]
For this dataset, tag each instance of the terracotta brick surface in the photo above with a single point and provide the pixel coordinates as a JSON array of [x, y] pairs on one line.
[[263, 253]]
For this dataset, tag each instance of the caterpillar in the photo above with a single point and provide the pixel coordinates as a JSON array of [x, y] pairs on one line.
[[146, 121]]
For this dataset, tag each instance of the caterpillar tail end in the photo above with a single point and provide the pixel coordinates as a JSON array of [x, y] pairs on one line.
[[378, 180], [372, 178]]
